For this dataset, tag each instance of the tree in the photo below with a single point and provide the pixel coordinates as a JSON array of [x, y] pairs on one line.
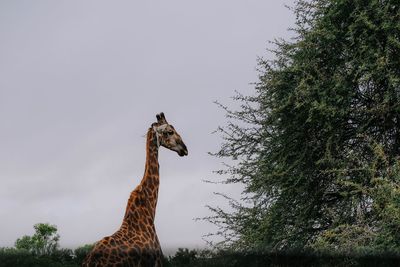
[[24, 243], [43, 242], [184, 257], [81, 252], [317, 145]]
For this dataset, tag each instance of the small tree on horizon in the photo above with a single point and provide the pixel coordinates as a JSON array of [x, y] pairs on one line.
[[43, 242]]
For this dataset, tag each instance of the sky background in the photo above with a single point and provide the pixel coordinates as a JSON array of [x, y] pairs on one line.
[[81, 82]]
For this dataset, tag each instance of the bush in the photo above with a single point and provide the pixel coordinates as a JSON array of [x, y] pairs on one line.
[[81, 252], [10, 257]]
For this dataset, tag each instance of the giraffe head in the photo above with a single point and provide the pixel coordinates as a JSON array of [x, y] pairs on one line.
[[168, 137]]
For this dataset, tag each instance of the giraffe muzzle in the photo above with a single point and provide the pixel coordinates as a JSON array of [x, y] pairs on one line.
[[183, 150]]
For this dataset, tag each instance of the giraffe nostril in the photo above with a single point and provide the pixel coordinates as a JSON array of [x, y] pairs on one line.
[[183, 149], [184, 146]]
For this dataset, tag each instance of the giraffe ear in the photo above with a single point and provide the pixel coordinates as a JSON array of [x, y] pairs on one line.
[[161, 118]]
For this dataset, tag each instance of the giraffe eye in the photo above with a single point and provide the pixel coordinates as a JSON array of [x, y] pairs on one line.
[[168, 133]]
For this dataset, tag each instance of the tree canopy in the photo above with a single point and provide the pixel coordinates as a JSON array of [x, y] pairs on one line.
[[43, 242], [318, 144]]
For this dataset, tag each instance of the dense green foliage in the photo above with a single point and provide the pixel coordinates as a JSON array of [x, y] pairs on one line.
[[81, 252], [24, 255], [317, 147], [42, 249], [10, 257], [43, 242]]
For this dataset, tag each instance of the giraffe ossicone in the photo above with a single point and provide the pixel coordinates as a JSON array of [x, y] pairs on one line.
[[136, 243]]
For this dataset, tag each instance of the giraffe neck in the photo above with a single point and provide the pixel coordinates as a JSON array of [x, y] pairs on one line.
[[151, 178], [143, 200]]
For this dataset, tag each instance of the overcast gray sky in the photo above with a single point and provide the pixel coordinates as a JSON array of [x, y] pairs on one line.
[[80, 83]]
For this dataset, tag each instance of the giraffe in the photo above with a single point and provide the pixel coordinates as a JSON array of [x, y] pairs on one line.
[[136, 243]]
